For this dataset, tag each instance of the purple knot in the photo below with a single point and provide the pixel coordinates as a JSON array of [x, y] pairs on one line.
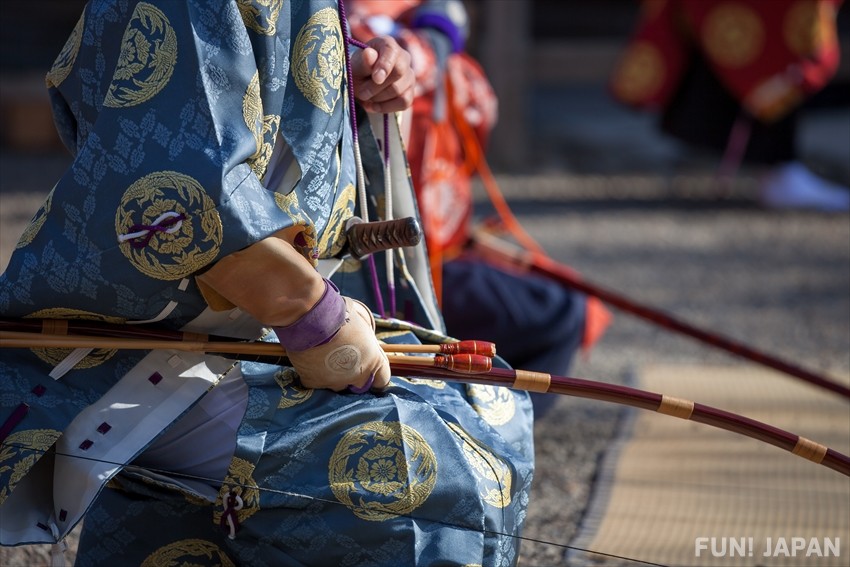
[[140, 234], [229, 519]]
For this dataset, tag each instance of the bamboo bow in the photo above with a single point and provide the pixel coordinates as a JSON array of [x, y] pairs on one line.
[[473, 365]]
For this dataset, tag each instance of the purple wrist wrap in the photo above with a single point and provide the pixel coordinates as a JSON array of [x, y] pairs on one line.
[[441, 23], [316, 326]]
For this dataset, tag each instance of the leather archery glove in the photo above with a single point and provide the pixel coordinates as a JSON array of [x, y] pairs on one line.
[[333, 345], [329, 338]]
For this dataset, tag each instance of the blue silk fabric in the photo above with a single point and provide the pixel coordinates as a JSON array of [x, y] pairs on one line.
[[172, 110]]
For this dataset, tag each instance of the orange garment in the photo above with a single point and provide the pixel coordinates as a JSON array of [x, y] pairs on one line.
[[445, 148], [769, 54], [439, 165]]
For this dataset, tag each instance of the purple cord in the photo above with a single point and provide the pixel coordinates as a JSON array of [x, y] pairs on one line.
[[391, 285], [357, 43], [18, 414], [376, 287], [343, 22], [365, 387], [163, 226], [386, 140]]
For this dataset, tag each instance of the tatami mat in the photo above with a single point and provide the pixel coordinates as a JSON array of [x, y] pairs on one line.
[[679, 493]]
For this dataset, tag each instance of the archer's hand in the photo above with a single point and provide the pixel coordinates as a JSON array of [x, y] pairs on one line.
[[329, 338], [383, 77], [352, 357]]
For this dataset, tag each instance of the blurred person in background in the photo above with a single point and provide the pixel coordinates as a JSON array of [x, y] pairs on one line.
[[731, 76], [536, 323]]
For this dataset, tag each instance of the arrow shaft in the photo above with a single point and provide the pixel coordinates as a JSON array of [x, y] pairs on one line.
[[517, 379]]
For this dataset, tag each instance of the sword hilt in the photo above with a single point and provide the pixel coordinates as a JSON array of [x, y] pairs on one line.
[[366, 238]]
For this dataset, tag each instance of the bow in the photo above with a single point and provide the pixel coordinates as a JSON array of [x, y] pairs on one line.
[[500, 251], [460, 367], [423, 367], [530, 256]]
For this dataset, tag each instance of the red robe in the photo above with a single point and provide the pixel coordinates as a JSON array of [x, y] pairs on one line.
[[770, 54]]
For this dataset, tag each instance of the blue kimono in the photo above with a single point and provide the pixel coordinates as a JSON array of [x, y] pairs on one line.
[[199, 127]]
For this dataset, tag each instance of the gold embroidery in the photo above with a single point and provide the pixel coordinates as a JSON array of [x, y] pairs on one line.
[[260, 160], [490, 469], [496, 405], [639, 74], [260, 15], [23, 449], [54, 356], [733, 34], [65, 61], [239, 480], [188, 552], [263, 127], [289, 204], [436, 384], [809, 26], [147, 60], [252, 110], [318, 59], [37, 221], [382, 469], [177, 252], [293, 394], [332, 239]]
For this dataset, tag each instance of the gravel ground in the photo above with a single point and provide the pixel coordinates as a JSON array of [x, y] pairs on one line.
[[777, 280]]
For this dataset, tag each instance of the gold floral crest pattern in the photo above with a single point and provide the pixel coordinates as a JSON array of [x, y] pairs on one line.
[[291, 393], [22, 449], [318, 59], [37, 221], [54, 356], [640, 73], [188, 552], [194, 233], [808, 26], [240, 480], [264, 127], [147, 60], [308, 241], [382, 469], [260, 15], [733, 34], [496, 405], [489, 468], [64, 63], [332, 239]]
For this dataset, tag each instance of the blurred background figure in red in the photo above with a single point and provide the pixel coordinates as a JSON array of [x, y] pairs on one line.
[[537, 324], [732, 76]]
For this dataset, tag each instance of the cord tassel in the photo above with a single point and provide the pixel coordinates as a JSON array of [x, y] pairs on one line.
[[229, 518], [57, 550]]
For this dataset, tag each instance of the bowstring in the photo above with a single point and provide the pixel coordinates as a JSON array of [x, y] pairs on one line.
[[349, 40], [217, 482]]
